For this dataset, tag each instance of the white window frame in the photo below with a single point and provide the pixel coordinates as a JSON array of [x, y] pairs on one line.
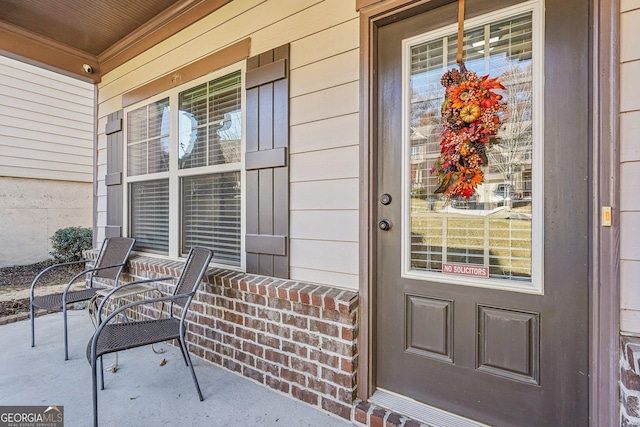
[[174, 174], [536, 285]]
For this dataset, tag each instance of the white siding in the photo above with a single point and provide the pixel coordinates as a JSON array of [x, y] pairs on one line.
[[46, 158], [324, 94], [629, 167], [46, 124]]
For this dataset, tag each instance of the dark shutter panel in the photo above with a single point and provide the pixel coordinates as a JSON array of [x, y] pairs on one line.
[[267, 163], [113, 178]]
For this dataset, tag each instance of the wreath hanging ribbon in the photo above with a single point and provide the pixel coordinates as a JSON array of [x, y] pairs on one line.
[[471, 119]]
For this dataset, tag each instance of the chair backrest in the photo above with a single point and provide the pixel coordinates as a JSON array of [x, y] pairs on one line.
[[194, 268], [114, 251]]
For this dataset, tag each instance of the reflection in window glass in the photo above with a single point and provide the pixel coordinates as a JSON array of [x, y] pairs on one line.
[[492, 229], [148, 139], [210, 127]]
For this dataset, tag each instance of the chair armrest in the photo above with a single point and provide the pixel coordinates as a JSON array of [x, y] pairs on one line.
[[84, 272], [51, 267], [120, 287]]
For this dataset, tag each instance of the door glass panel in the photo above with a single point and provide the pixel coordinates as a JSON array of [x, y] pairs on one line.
[[486, 240]]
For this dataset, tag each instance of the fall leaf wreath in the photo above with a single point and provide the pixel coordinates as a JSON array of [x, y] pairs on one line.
[[471, 118]]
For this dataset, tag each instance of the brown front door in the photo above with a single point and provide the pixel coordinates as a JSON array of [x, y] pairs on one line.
[[482, 304]]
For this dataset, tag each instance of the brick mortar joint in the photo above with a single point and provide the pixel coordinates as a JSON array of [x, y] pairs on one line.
[[625, 415], [374, 411], [633, 363], [318, 364], [291, 383], [288, 340], [624, 391], [291, 327]]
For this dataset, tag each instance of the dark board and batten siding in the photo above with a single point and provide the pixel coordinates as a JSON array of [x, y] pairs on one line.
[[113, 178], [266, 161]]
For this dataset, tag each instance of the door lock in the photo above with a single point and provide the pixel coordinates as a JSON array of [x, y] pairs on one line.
[[385, 199], [385, 225]]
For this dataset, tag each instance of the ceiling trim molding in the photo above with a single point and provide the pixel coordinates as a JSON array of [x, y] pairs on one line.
[[24, 45], [159, 28], [35, 49]]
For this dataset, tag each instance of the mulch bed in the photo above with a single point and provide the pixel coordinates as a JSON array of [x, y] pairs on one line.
[[21, 276], [9, 308]]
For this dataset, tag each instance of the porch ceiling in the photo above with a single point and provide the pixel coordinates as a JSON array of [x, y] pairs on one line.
[[63, 35]]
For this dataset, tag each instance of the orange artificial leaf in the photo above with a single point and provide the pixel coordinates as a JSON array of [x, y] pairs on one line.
[[471, 119]]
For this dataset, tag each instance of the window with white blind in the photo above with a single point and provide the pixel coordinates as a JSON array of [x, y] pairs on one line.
[[150, 215], [148, 155], [184, 170], [210, 130], [497, 229], [211, 214]]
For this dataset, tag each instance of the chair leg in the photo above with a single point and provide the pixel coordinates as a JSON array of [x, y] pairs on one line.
[[33, 329], [66, 341], [101, 374], [95, 391], [190, 364], [184, 354]]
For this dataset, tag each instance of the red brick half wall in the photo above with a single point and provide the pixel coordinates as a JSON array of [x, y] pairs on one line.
[[294, 337]]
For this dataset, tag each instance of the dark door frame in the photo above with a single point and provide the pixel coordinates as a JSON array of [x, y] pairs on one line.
[[604, 310]]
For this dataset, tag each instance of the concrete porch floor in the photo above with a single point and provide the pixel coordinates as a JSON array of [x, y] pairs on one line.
[[141, 393]]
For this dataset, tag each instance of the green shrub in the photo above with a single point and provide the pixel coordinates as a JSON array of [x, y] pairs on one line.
[[68, 243]]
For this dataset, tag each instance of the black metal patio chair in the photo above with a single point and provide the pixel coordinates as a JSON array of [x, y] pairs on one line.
[[113, 336], [109, 264]]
